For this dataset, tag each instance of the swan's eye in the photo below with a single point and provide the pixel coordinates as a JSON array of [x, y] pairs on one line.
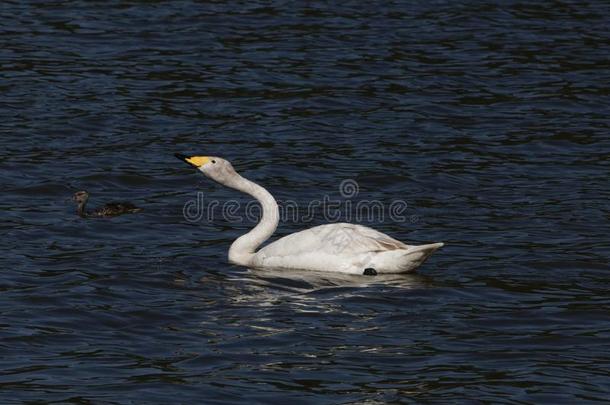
[[213, 161]]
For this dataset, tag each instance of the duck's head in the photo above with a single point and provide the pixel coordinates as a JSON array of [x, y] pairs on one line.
[[214, 167], [80, 197]]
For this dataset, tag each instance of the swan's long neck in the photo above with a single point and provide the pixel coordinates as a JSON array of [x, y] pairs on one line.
[[243, 249]]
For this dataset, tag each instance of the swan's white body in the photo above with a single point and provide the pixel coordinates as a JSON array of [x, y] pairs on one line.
[[343, 248], [338, 247]]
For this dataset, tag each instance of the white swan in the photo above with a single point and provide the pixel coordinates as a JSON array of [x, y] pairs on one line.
[[339, 247]]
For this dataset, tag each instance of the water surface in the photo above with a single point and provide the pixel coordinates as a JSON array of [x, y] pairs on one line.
[[490, 119]]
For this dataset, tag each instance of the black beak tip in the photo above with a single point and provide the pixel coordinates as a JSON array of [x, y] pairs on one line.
[[181, 156]]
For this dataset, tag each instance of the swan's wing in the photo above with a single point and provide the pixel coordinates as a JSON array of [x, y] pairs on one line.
[[333, 239]]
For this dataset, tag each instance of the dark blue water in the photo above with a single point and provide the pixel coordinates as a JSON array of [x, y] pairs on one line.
[[490, 119]]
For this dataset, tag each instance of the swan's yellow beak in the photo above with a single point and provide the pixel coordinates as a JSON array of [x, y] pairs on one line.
[[196, 161]]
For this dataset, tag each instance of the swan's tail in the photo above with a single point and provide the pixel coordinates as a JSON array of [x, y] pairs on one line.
[[415, 256], [429, 248], [403, 260]]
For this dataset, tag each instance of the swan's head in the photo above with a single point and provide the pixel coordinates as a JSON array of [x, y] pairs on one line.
[[215, 168], [80, 197]]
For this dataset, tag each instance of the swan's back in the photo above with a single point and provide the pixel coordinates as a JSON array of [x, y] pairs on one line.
[[333, 239]]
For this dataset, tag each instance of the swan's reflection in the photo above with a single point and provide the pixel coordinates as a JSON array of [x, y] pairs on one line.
[[313, 280], [282, 306], [265, 287]]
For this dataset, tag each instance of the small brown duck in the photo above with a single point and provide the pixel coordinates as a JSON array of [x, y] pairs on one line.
[[111, 209]]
